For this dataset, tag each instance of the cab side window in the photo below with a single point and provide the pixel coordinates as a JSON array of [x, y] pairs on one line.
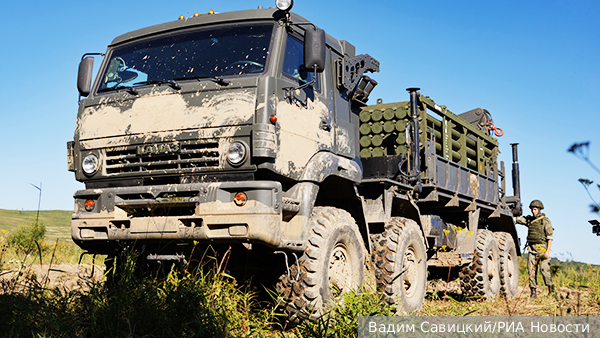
[[293, 65]]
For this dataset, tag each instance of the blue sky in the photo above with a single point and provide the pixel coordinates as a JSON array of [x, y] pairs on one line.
[[533, 64]]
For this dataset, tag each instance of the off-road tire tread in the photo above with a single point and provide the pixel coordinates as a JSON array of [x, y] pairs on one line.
[[385, 247], [302, 299], [505, 243], [472, 276]]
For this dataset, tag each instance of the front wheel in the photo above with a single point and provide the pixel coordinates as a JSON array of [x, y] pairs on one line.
[[400, 261], [332, 264]]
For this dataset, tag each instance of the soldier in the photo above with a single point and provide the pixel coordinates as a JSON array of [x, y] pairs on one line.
[[539, 239]]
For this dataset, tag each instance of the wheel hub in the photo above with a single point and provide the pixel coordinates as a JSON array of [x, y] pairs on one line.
[[511, 266], [409, 275], [340, 269], [491, 268]]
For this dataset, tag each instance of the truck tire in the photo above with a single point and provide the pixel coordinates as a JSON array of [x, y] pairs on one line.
[[481, 278], [400, 261], [509, 264], [333, 263]]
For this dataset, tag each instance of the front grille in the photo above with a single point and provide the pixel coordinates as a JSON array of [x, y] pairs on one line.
[[166, 203], [182, 209], [193, 156]]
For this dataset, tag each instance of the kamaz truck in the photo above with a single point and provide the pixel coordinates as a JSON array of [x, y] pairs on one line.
[[250, 132]]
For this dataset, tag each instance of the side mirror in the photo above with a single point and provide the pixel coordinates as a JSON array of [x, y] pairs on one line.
[[314, 49], [84, 76]]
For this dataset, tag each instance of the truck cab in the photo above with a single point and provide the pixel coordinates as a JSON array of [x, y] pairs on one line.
[[210, 128]]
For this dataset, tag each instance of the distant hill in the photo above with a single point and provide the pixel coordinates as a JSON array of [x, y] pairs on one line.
[[57, 222]]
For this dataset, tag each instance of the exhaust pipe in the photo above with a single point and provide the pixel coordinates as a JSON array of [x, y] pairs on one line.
[[516, 180], [414, 115], [516, 183]]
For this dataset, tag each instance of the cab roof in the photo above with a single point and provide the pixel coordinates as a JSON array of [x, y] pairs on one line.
[[272, 14]]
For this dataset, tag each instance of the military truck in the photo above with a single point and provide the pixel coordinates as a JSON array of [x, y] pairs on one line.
[[250, 132]]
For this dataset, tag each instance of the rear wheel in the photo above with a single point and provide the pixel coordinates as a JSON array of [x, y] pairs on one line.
[[333, 263], [482, 276], [401, 264], [509, 264]]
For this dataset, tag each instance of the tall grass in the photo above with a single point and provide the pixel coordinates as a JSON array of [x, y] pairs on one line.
[[203, 300], [195, 300], [342, 319], [40, 252]]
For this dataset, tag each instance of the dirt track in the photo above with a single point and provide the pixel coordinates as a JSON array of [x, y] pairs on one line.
[[57, 275], [565, 302]]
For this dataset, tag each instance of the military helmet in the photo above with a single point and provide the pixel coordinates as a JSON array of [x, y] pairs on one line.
[[536, 204]]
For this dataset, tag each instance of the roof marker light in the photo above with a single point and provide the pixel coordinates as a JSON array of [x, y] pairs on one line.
[[181, 17], [196, 14], [211, 12]]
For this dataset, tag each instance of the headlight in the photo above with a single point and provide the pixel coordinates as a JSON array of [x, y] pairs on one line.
[[284, 5], [236, 154], [89, 164]]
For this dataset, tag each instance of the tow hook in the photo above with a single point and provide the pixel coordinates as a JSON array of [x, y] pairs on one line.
[[79, 271], [287, 266]]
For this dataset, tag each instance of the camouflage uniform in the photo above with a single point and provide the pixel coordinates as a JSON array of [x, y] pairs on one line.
[[540, 231]]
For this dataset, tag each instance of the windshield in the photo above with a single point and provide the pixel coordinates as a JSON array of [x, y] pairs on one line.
[[215, 52]]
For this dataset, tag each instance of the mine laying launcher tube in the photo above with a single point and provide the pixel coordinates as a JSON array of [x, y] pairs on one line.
[[414, 114]]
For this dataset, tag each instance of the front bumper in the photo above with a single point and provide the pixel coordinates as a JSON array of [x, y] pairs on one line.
[[203, 212]]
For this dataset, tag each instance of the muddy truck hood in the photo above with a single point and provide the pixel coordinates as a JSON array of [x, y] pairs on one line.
[[163, 110]]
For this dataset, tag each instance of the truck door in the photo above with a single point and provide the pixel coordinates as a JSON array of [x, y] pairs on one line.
[[305, 117], [346, 136]]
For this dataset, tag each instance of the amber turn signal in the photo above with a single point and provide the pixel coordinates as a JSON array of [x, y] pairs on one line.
[[89, 205], [240, 199]]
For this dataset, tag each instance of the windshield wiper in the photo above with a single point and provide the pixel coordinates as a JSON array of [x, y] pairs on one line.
[[130, 90], [218, 80], [171, 83]]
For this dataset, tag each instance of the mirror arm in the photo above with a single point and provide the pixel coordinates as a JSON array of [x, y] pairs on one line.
[[304, 24], [288, 91], [89, 75], [288, 21], [88, 54]]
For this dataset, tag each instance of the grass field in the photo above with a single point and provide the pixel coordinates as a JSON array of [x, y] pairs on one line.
[[57, 222], [50, 300]]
